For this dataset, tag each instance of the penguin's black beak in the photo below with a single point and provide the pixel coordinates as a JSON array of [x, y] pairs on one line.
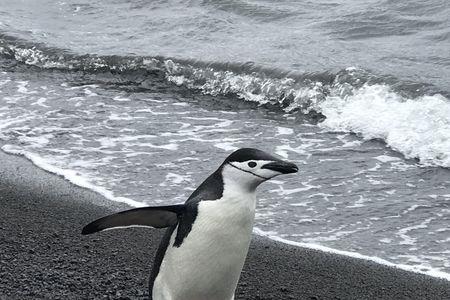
[[283, 167]]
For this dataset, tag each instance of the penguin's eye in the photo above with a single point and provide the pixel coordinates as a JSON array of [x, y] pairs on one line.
[[252, 164]]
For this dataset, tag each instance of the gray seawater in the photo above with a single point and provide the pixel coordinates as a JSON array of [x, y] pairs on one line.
[[140, 100]]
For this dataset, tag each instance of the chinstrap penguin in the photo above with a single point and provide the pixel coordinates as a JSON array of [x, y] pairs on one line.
[[206, 242]]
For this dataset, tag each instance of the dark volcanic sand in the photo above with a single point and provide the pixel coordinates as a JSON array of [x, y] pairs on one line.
[[44, 256]]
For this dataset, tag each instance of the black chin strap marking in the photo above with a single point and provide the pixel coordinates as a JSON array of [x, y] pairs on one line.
[[248, 172]]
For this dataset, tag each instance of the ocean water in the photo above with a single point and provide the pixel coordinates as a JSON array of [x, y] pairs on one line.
[[141, 100]]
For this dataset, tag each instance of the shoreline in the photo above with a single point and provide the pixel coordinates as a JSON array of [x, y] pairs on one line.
[[129, 203], [44, 256], [375, 259]]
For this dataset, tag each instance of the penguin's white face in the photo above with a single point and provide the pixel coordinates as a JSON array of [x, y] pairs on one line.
[[254, 168], [249, 173]]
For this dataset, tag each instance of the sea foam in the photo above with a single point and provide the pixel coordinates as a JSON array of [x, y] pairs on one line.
[[417, 128]]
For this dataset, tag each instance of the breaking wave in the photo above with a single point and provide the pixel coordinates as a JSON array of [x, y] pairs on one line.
[[411, 118]]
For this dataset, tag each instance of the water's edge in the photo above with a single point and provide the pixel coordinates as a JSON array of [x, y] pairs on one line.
[[78, 181]]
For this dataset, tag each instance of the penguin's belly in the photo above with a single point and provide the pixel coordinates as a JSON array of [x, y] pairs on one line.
[[208, 263]]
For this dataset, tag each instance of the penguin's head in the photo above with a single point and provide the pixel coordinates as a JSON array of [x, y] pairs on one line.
[[250, 167]]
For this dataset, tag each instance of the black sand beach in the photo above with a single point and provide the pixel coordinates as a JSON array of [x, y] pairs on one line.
[[44, 256]]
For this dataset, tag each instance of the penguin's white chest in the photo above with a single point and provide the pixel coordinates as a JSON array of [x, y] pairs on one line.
[[208, 263]]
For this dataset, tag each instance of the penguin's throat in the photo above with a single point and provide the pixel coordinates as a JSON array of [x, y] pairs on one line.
[[236, 181]]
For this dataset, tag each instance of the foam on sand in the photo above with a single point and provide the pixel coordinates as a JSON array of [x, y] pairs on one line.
[[417, 269], [71, 175]]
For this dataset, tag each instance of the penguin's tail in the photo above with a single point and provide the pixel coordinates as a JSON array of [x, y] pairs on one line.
[[155, 217]]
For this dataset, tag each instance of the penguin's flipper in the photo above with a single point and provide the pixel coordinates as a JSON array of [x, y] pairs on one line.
[[156, 217]]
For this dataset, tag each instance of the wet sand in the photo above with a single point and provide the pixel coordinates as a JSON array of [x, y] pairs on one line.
[[44, 256]]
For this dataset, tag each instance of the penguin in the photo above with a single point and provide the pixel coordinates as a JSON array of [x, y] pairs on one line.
[[203, 250]]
